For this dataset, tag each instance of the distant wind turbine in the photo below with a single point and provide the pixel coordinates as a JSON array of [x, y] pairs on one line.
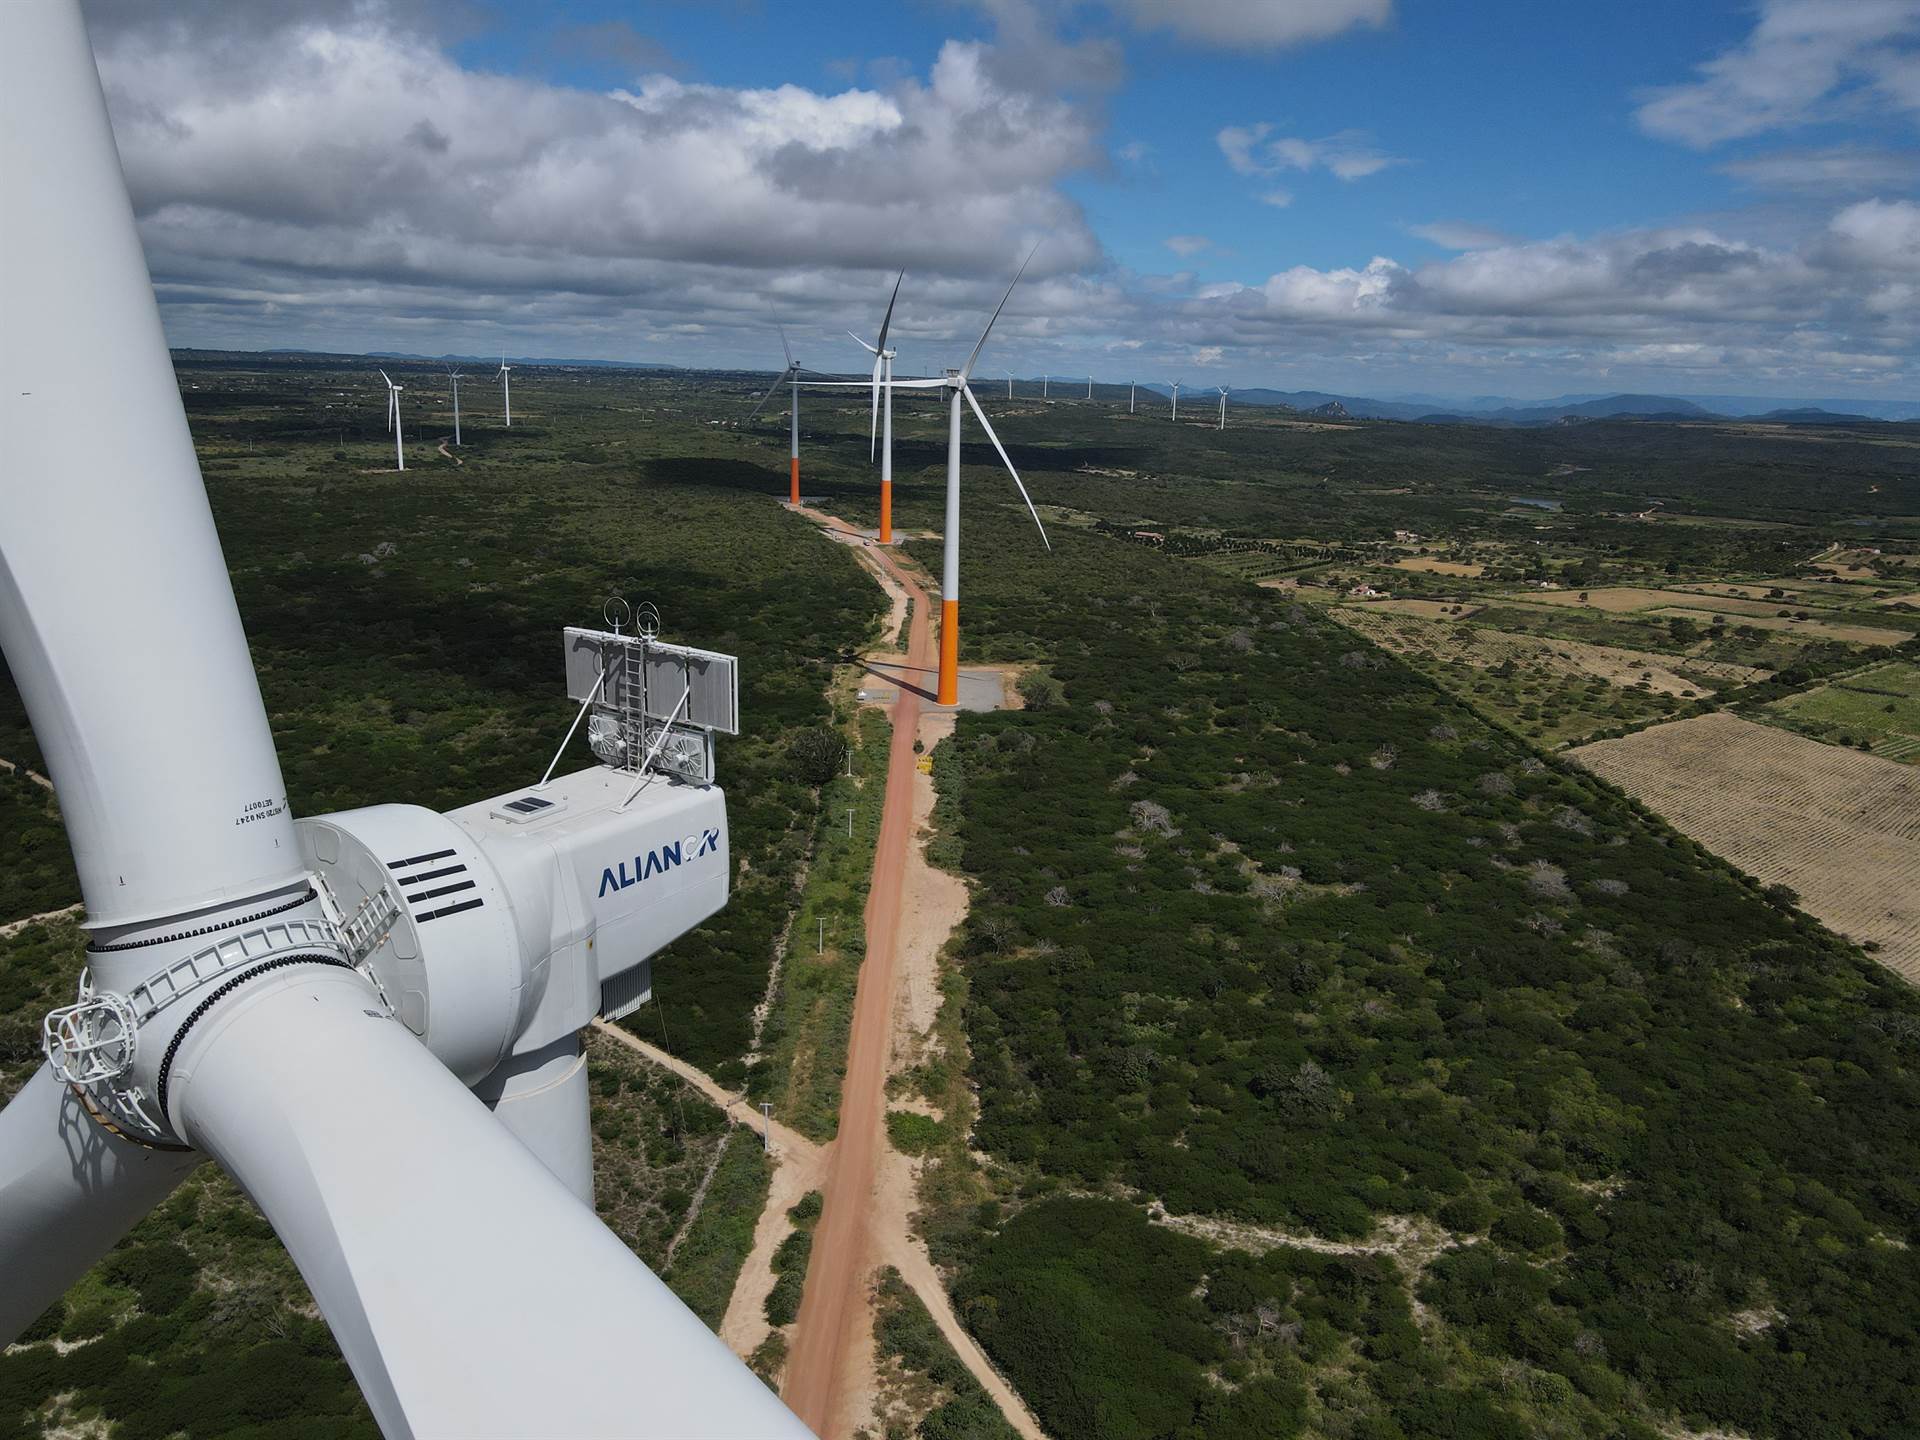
[[505, 376], [1224, 392], [1131, 387], [882, 379], [954, 385], [1009, 384], [1089, 387], [790, 376], [454, 378], [1043, 385], [1176, 400], [958, 389], [393, 420]]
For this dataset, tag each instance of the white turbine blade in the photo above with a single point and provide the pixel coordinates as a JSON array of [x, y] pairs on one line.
[[432, 1239], [784, 346], [779, 380], [928, 384], [69, 1190], [148, 808], [873, 414], [981, 416], [966, 371], [886, 321], [862, 344]]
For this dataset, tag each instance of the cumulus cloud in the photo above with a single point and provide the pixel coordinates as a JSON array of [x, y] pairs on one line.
[[1829, 168], [1804, 61], [1255, 150], [326, 174], [1185, 245], [335, 154], [1879, 235], [1684, 303], [1256, 24], [1459, 235]]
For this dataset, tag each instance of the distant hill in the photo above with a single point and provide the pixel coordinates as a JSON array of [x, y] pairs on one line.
[[1812, 415], [1323, 404], [1666, 407]]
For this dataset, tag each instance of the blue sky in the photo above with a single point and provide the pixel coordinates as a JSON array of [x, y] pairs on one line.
[[1373, 196]]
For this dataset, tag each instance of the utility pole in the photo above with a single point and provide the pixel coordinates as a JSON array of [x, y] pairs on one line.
[[820, 945], [849, 822], [766, 1127]]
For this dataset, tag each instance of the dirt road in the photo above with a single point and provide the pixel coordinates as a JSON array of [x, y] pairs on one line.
[[833, 1305]]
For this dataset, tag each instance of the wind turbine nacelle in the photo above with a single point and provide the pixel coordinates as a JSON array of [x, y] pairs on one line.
[[502, 927]]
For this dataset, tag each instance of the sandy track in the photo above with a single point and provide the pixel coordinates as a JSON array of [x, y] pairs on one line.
[[869, 1191], [34, 775], [731, 1102], [826, 1355], [14, 927]]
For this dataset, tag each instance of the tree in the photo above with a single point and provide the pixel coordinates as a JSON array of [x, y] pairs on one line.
[[818, 754]]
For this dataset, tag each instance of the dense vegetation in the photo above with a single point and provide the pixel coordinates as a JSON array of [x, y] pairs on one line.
[[406, 636], [950, 1403], [1267, 926]]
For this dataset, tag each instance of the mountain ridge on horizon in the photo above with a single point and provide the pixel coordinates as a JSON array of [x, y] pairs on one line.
[[1482, 409]]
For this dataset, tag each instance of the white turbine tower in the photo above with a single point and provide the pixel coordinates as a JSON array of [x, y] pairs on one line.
[[1176, 400], [1089, 387], [1044, 379], [790, 377], [883, 379], [315, 1038], [1131, 387], [954, 383], [393, 421], [454, 377], [1224, 392], [505, 376], [1009, 384]]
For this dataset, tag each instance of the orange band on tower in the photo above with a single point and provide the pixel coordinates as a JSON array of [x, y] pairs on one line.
[[793, 478], [886, 512], [949, 693]]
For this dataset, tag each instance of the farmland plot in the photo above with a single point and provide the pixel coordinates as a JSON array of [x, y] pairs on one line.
[[1825, 630], [1841, 827], [1877, 707], [1485, 649]]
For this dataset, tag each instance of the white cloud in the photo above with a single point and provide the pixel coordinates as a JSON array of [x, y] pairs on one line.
[[1279, 199], [1459, 235], [1662, 305], [1349, 155], [1186, 245], [325, 174], [1830, 168], [1255, 24], [1804, 58], [1882, 235], [339, 159]]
